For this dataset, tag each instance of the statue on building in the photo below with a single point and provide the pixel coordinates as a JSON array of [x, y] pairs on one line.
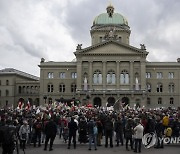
[[85, 84], [137, 84], [111, 34], [143, 47], [79, 47]]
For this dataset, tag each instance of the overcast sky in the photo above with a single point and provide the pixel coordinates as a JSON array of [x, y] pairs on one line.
[[32, 29]]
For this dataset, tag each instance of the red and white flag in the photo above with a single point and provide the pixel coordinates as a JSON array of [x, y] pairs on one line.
[[20, 105], [28, 106]]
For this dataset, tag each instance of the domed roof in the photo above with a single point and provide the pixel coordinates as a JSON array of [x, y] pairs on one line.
[[110, 18]]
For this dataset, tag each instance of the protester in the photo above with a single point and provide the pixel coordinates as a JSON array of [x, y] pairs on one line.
[[92, 133], [129, 133], [24, 134], [37, 132], [50, 132], [8, 137], [118, 128], [72, 125], [138, 131], [108, 132], [82, 129]]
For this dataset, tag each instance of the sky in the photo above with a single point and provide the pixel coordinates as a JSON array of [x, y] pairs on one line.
[[32, 29]]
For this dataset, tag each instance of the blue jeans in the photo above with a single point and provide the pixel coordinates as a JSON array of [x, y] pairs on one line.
[[92, 137]]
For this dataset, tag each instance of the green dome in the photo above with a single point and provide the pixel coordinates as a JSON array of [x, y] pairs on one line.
[[105, 19]]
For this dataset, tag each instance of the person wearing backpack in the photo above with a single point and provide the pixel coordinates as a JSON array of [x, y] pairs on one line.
[[8, 136]]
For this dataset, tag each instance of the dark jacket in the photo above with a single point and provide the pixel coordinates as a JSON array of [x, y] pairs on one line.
[[51, 129], [72, 125], [108, 125], [159, 129], [118, 126], [90, 127], [129, 129]]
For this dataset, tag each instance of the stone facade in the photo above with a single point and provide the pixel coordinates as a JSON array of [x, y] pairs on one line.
[[18, 86]]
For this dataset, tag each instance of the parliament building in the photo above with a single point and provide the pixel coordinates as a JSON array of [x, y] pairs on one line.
[[110, 70]]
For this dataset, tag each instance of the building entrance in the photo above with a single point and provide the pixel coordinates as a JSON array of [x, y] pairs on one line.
[[125, 101], [111, 101], [97, 102]]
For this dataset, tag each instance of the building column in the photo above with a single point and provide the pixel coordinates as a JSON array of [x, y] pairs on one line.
[[104, 75], [117, 75], [143, 72], [79, 75], [90, 75], [131, 75]]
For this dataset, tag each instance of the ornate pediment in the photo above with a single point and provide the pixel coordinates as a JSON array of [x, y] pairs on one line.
[[111, 48]]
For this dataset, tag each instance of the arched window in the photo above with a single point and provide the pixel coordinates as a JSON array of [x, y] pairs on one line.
[[171, 87], [73, 87], [171, 100], [148, 87], [97, 77], [159, 100], [7, 92], [50, 88], [61, 87], [148, 100], [124, 77], [111, 77], [159, 88]]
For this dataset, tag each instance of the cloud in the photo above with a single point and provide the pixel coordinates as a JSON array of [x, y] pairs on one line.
[[31, 29]]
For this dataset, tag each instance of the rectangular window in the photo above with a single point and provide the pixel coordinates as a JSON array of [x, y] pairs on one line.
[[73, 75], [100, 39], [159, 75], [50, 88], [62, 75], [50, 75], [148, 75], [7, 82], [171, 75]]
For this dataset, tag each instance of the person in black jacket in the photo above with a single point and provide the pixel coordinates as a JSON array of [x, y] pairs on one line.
[[50, 131], [37, 126], [82, 130], [159, 133], [118, 127], [129, 133], [8, 137], [108, 132], [72, 125]]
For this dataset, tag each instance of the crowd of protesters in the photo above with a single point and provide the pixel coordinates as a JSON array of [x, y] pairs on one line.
[[88, 125]]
